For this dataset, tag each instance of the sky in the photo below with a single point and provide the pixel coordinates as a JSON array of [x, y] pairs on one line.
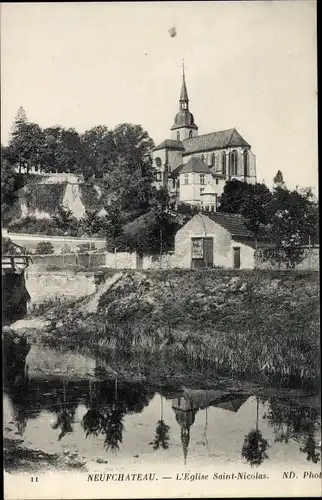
[[250, 65]]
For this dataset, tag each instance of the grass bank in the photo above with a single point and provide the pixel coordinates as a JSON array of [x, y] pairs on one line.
[[258, 325]]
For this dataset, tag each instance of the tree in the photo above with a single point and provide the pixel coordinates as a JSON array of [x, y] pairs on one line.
[[8, 182], [65, 221], [132, 143], [254, 207], [278, 180], [69, 155], [44, 248], [131, 178], [100, 150], [91, 223], [112, 222], [24, 148], [233, 196], [293, 222], [165, 221], [20, 118], [48, 150]]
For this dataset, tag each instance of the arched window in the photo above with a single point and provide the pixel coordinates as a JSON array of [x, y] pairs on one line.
[[186, 179], [223, 163], [202, 179], [246, 163], [158, 162], [213, 159], [203, 157], [233, 162], [178, 136], [190, 134]]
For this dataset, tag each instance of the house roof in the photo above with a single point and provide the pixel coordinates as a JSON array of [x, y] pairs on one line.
[[170, 144], [195, 164], [176, 171], [215, 397], [235, 224], [214, 140]]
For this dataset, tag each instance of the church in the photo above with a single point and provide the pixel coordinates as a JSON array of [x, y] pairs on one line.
[[195, 167]]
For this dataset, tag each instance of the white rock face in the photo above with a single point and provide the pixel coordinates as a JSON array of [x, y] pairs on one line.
[[72, 200]]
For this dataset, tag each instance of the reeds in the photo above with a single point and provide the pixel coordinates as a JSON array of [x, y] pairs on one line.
[[205, 324]]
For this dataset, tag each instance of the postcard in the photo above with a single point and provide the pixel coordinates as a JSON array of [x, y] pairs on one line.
[[160, 250]]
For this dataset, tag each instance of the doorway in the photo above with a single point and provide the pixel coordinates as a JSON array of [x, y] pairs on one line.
[[202, 254], [236, 257], [139, 261]]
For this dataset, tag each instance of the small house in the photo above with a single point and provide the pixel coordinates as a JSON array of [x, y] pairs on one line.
[[212, 239]]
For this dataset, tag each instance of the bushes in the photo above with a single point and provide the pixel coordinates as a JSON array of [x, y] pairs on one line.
[[32, 225], [44, 248]]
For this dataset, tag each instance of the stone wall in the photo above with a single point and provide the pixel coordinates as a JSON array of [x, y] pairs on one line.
[[122, 260], [64, 261], [30, 241], [43, 286], [311, 261]]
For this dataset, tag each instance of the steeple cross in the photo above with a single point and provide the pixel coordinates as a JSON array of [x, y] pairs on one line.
[[183, 74]]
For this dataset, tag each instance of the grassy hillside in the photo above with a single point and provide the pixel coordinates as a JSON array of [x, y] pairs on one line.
[[252, 324], [43, 197]]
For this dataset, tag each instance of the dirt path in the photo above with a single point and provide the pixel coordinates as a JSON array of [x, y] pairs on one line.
[[91, 305]]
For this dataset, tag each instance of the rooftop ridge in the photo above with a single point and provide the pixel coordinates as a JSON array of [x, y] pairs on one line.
[[210, 133]]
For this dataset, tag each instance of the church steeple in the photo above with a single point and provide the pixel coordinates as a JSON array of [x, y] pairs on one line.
[[184, 100], [184, 125], [185, 412]]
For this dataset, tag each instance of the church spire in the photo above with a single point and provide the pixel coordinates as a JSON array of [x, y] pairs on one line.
[[184, 100], [184, 126], [185, 438]]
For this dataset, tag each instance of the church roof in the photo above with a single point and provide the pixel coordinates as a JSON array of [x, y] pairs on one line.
[[170, 144], [176, 171], [184, 119], [195, 164], [214, 140]]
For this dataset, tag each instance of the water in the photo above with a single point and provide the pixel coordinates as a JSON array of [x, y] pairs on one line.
[[84, 422]]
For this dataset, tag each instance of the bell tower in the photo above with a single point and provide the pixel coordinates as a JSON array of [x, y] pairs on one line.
[[184, 126]]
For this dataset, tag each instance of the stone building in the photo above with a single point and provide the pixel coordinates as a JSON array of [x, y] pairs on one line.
[[196, 167], [215, 239]]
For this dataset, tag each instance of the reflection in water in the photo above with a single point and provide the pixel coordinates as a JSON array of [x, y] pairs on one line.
[[185, 410], [309, 448], [104, 405], [64, 423], [293, 421], [162, 437], [65, 415], [255, 445]]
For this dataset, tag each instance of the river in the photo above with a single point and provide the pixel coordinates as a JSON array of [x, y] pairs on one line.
[[57, 419]]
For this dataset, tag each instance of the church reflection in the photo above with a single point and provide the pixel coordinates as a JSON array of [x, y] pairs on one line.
[[103, 405], [189, 402]]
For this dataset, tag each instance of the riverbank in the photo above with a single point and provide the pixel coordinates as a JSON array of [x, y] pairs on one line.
[[254, 325]]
